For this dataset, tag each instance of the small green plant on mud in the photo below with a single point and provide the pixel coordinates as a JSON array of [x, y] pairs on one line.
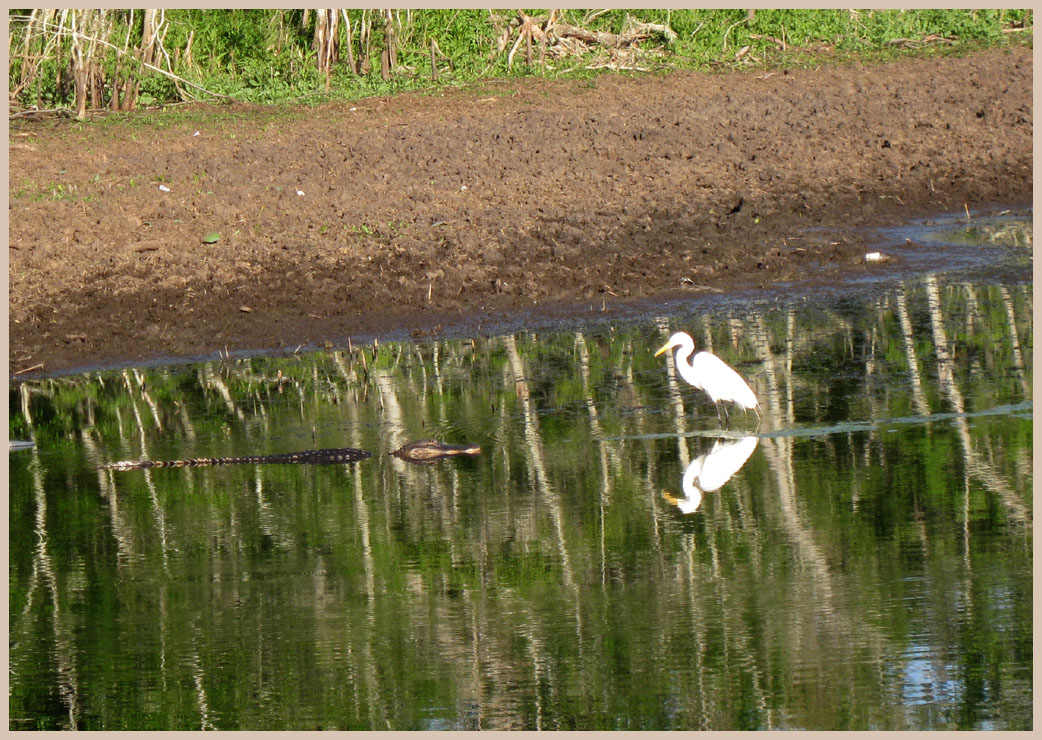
[[25, 187], [51, 191], [62, 192]]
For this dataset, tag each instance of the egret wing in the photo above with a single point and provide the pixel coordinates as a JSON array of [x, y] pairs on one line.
[[720, 381]]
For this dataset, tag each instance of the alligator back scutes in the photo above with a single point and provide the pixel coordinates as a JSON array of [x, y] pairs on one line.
[[314, 457]]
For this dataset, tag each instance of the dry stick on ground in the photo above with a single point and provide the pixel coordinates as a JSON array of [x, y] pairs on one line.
[[634, 26], [632, 32], [41, 112], [28, 369], [915, 43], [777, 42]]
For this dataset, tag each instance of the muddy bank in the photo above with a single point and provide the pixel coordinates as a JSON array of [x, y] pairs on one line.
[[414, 212]]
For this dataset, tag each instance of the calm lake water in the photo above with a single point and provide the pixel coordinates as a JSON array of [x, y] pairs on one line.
[[860, 559]]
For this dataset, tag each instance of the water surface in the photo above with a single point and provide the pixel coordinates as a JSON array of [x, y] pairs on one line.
[[861, 558]]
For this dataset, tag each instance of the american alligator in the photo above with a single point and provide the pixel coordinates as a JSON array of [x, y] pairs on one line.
[[314, 457], [428, 451], [424, 452]]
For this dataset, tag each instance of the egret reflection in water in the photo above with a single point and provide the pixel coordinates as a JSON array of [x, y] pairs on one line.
[[709, 472]]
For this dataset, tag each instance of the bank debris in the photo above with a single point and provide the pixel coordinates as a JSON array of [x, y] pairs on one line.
[[552, 38]]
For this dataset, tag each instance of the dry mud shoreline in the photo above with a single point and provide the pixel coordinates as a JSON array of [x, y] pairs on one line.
[[421, 211]]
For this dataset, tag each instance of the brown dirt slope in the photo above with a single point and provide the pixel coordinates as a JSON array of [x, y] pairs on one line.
[[418, 210]]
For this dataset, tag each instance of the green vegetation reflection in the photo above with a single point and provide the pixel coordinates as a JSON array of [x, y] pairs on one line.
[[868, 566]]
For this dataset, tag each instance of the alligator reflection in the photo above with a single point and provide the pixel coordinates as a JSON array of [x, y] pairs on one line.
[[709, 472]]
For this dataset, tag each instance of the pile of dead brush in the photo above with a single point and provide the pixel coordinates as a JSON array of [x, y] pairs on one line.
[[554, 38]]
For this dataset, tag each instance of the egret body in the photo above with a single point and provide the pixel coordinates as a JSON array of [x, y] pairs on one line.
[[709, 373]]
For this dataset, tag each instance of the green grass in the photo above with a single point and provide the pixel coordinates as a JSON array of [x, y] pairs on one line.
[[265, 56], [58, 191]]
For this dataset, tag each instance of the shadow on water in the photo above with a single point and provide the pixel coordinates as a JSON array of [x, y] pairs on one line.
[[860, 560]]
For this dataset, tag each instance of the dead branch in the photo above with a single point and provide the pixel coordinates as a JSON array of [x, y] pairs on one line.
[[35, 113], [563, 30], [633, 33], [777, 42], [559, 39], [916, 43], [632, 25]]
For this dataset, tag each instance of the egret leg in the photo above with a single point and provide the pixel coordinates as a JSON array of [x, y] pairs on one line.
[[722, 415]]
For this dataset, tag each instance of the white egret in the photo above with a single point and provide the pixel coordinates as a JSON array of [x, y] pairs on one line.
[[709, 373]]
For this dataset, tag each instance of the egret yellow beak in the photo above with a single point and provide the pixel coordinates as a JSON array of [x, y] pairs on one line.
[[663, 348]]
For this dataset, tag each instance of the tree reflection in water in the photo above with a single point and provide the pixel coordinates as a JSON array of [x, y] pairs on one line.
[[877, 525]]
